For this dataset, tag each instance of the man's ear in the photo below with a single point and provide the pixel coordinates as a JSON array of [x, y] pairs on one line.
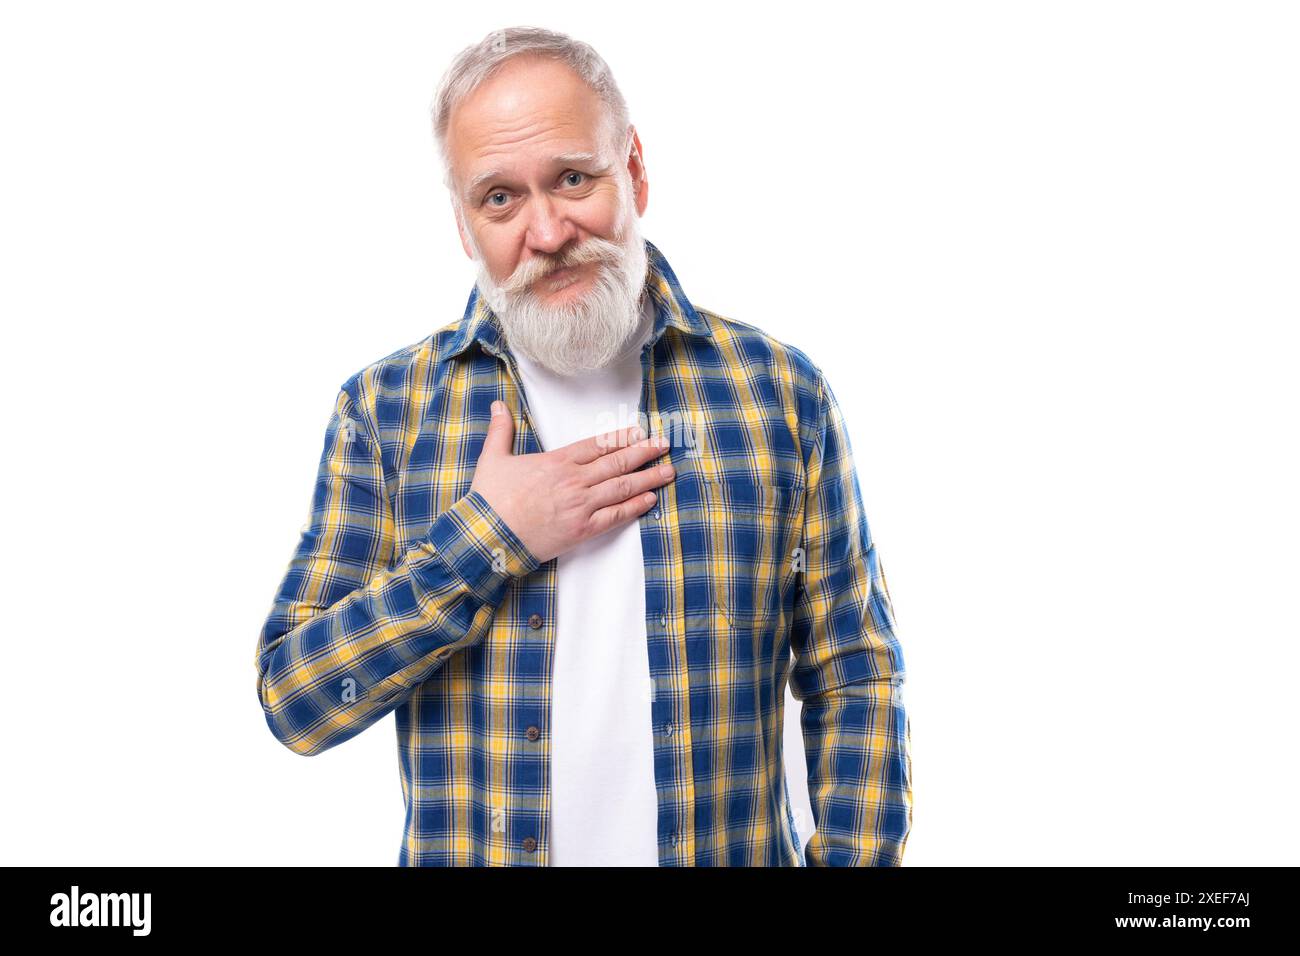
[[636, 170]]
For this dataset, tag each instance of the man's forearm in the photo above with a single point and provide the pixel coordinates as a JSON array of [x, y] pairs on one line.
[[859, 774], [327, 678]]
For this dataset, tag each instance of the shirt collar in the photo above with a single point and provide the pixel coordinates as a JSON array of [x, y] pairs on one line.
[[672, 308]]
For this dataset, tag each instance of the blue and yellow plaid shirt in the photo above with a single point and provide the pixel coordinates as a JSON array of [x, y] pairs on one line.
[[408, 593]]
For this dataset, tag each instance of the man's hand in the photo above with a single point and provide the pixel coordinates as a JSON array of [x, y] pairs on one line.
[[557, 499]]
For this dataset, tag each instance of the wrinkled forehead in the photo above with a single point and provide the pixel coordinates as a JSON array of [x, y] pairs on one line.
[[531, 114]]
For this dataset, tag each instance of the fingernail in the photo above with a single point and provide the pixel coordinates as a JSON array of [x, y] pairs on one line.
[[498, 408]]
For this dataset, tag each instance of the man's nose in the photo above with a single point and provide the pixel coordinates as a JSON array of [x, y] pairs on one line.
[[549, 229]]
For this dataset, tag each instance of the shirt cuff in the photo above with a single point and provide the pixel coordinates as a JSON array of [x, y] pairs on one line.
[[478, 547]]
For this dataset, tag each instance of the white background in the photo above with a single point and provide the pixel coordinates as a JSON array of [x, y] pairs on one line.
[[1046, 254]]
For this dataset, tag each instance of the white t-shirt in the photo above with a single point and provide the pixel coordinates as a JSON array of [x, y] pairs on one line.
[[604, 810]]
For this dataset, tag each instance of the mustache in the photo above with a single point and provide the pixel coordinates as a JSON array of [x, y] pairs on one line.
[[594, 249]]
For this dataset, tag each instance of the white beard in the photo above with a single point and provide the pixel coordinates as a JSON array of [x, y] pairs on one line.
[[593, 330]]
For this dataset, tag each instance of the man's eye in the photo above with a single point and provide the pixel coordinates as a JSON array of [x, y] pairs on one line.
[[571, 173], [492, 196]]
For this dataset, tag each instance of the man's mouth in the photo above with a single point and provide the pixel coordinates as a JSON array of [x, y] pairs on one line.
[[560, 278]]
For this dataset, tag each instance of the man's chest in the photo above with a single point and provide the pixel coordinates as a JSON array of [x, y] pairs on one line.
[[721, 545]]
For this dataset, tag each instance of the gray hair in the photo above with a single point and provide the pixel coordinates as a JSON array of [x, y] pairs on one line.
[[477, 62]]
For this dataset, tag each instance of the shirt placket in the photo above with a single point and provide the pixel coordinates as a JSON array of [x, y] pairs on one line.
[[528, 821], [665, 631]]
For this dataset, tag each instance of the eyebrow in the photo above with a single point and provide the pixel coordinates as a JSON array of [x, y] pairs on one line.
[[562, 159]]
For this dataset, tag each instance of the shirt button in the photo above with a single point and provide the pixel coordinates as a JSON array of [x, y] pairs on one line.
[[530, 844], [663, 619], [656, 514], [668, 729], [674, 839], [532, 733], [535, 621]]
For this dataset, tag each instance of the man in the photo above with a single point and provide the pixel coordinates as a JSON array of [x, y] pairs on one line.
[[587, 643]]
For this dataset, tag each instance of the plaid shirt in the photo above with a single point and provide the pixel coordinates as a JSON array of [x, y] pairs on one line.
[[408, 593]]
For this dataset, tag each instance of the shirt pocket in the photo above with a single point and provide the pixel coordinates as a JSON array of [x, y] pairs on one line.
[[755, 529]]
